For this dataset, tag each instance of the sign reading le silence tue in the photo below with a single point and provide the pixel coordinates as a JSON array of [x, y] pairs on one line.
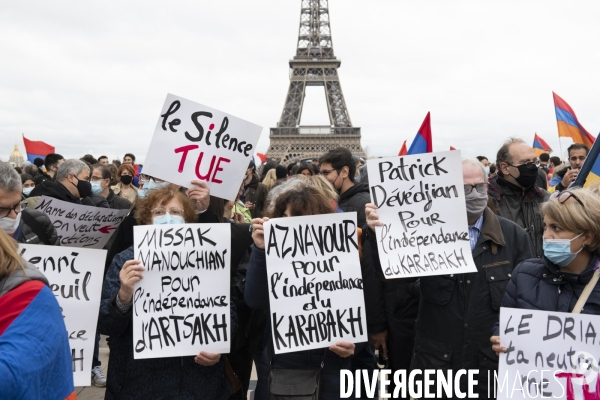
[[195, 142], [75, 277], [421, 201]]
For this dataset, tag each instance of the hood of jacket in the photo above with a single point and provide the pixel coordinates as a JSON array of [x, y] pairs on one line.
[[357, 188], [55, 190], [19, 276]]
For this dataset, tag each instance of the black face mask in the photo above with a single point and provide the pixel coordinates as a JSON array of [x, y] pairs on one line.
[[126, 179], [527, 176], [84, 188]]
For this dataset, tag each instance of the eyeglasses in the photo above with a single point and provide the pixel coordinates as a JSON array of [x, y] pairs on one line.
[[325, 172], [528, 164], [562, 197], [174, 211], [480, 187], [96, 179], [5, 212], [148, 178]]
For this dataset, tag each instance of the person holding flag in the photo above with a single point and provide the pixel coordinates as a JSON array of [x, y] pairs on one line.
[[563, 178]]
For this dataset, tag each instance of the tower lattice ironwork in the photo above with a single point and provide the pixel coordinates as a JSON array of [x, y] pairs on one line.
[[314, 65]]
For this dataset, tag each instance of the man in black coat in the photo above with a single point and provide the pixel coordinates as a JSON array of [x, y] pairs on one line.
[[339, 168], [458, 311], [26, 226], [71, 184]]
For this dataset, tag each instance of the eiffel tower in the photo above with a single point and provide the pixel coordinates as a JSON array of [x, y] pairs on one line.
[[314, 65]]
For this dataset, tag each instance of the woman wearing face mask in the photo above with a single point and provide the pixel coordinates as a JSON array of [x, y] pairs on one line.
[[296, 197], [125, 187], [27, 185], [571, 256], [199, 377], [148, 183]]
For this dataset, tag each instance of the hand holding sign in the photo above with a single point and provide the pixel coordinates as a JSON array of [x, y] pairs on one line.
[[258, 233], [200, 194], [195, 142], [207, 359], [129, 275], [372, 216]]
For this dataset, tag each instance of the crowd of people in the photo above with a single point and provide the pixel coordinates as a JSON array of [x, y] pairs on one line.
[[534, 239]]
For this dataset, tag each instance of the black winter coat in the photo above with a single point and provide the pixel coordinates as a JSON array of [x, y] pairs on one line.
[[117, 202], [538, 284], [521, 207], [256, 295], [55, 190], [36, 228], [159, 378], [457, 312]]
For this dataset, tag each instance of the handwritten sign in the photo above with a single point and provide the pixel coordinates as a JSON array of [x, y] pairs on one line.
[[181, 307], [421, 201], [549, 355], [81, 226], [315, 282], [195, 142], [75, 276]]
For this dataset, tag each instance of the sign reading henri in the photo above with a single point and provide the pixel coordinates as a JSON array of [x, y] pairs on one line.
[[75, 277], [421, 201], [181, 307], [195, 142], [81, 226], [315, 282], [549, 355]]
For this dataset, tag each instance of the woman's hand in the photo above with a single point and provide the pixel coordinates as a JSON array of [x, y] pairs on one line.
[[129, 275], [258, 233], [343, 349], [200, 194], [372, 216], [207, 359], [496, 345], [238, 218]]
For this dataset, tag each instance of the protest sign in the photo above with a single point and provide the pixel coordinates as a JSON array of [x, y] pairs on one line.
[[421, 201], [195, 142], [181, 306], [75, 276], [81, 226], [549, 355], [315, 282]]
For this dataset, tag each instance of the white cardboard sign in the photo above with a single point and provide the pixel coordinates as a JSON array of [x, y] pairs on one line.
[[181, 306], [75, 276], [421, 201], [81, 226], [550, 355], [195, 142], [315, 282]]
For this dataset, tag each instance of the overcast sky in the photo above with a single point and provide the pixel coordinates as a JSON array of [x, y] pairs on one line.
[[91, 76]]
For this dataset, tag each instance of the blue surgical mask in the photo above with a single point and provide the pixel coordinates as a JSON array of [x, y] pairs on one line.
[[151, 185], [142, 193], [97, 188], [168, 219], [26, 191], [487, 171], [559, 251]]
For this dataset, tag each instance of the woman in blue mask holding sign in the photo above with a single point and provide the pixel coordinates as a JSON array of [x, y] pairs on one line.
[[199, 377], [570, 264]]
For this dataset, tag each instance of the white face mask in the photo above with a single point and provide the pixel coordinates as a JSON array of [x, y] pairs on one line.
[[10, 225]]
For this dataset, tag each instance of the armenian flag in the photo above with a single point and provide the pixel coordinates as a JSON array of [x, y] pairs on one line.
[[35, 359], [36, 149], [568, 124], [403, 150], [540, 146], [422, 143], [590, 170]]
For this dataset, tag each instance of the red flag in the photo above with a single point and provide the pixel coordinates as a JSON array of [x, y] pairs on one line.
[[423, 142], [403, 150], [452, 148], [36, 149]]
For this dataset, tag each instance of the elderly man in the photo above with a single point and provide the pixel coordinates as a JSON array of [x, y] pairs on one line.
[[513, 192], [563, 178], [457, 311], [71, 184], [25, 226]]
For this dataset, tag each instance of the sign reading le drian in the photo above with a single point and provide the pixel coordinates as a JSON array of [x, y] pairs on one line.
[[421, 200]]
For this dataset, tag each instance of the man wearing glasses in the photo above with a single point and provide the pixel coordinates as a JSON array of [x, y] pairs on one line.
[[577, 154], [25, 226], [513, 192]]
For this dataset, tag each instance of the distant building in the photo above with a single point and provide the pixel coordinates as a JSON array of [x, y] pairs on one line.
[[16, 158]]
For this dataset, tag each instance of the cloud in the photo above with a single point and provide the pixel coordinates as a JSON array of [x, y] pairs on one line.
[[92, 76]]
